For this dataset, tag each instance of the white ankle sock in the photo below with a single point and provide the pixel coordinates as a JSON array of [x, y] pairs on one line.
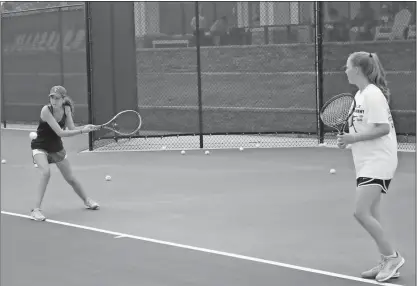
[[392, 255]]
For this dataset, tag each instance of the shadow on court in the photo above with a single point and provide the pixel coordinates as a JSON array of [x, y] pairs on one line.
[[275, 204]]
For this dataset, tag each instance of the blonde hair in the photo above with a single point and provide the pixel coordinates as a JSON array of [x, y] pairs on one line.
[[372, 69]]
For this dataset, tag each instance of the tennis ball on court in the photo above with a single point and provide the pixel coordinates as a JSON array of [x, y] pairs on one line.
[[108, 178], [332, 171], [3, 161], [257, 145], [241, 148], [182, 152], [207, 152], [164, 147], [35, 165], [33, 135]]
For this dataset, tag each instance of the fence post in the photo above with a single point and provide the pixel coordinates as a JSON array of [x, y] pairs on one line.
[[113, 58], [266, 35], [3, 115], [89, 70], [200, 104], [61, 46], [318, 21]]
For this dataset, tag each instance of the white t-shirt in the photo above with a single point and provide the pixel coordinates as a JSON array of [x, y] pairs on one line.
[[375, 158]]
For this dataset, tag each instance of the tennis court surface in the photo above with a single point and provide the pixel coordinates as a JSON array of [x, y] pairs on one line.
[[257, 217]]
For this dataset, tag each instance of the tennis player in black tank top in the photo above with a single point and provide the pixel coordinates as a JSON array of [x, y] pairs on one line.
[[48, 148]]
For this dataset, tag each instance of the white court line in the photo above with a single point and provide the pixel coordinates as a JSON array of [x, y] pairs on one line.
[[18, 129], [205, 250]]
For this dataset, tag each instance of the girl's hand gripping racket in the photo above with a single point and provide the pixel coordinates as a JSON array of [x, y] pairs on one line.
[[125, 123], [337, 111]]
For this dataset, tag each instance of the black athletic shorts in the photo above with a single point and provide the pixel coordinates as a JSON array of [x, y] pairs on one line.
[[364, 181], [53, 158]]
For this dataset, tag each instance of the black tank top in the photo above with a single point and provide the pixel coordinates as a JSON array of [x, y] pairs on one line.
[[47, 139]]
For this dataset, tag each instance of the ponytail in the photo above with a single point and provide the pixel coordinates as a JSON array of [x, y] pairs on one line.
[[372, 69], [68, 102], [379, 78]]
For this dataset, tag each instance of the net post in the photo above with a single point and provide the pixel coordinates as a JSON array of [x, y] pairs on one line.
[[318, 19], [87, 8], [200, 104]]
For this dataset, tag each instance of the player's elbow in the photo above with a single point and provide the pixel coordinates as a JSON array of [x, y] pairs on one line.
[[381, 129], [384, 129]]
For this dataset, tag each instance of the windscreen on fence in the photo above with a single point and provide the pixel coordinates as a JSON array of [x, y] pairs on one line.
[[40, 49], [212, 74]]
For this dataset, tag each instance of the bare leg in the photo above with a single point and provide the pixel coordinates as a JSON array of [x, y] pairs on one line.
[[66, 171], [376, 209], [43, 167], [367, 205]]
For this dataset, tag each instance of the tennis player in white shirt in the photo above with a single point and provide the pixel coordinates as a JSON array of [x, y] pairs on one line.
[[374, 148]]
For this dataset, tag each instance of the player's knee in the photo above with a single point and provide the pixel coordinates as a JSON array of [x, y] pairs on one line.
[[361, 215], [45, 173], [356, 215]]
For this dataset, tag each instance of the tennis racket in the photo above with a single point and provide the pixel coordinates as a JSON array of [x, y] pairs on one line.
[[336, 111], [124, 123]]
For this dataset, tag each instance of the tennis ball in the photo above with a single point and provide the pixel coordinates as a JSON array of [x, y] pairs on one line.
[[3, 161], [33, 135], [332, 171], [241, 148], [164, 147], [257, 145], [35, 165], [182, 152], [207, 152], [108, 178]]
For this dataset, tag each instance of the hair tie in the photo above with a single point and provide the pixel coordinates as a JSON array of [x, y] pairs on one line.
[[370, 55]]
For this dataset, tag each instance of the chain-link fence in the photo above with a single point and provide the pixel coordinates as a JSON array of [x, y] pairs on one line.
[[42, 48], [384, 28], [225, 80], [250, 74]]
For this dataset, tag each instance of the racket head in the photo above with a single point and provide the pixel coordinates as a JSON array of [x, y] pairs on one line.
[[337, 110], [124, 123]]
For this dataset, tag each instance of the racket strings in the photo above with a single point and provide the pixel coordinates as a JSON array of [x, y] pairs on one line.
[[126, 123], [337, 112]]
